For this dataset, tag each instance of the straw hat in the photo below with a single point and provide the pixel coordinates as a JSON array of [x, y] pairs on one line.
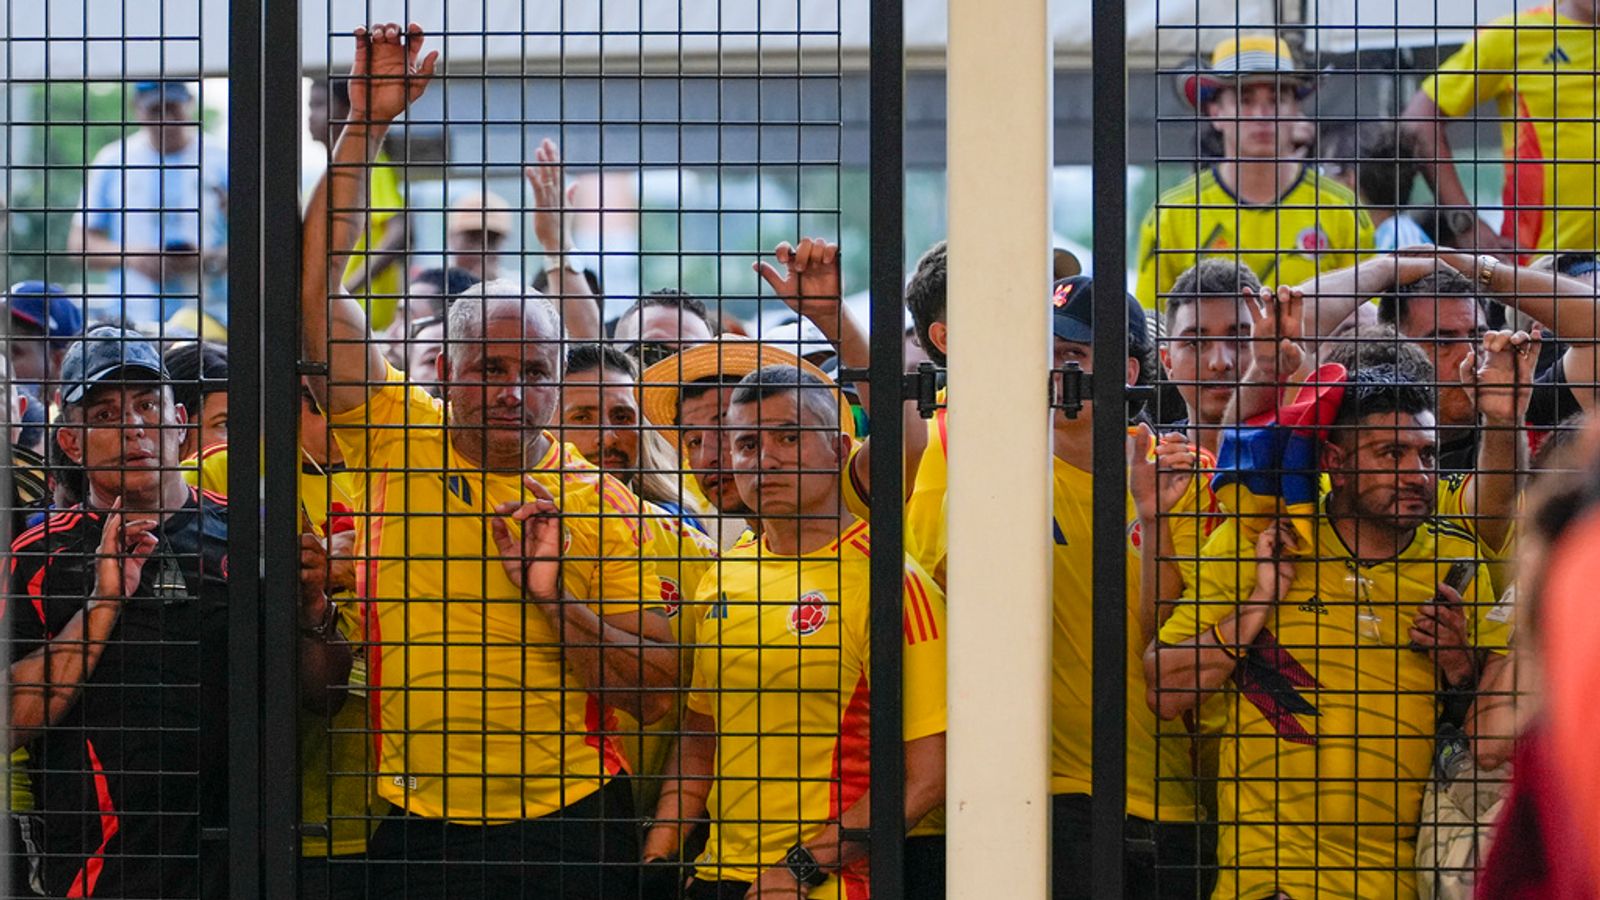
[[1245, 59], [730, 355]]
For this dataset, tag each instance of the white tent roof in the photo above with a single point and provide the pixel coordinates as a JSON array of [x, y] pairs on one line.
[[114, 38]]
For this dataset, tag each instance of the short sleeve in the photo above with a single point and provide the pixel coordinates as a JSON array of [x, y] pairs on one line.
[[393, 404], [923, 672], [99, 205], [44, 583], [626, 579], [1475, 73], [704, 669], [1221, 581], [1491, 625], [1145, 287]]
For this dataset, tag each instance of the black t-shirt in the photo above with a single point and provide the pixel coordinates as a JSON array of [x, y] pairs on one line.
[[128, 776]]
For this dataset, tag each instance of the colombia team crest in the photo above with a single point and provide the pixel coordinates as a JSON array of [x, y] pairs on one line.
[[671, 597], [809, 614]]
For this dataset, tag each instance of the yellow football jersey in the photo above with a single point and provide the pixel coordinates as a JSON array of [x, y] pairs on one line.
[[783, 666], [926, 532], [1538, 66], [682, 555], [1316, 227], [336, 789], [478, 717], [857, 499], [1160, 776], [1329, 735], [384, 203]]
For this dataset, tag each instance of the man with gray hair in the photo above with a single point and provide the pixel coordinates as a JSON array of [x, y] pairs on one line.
[[512, 606]]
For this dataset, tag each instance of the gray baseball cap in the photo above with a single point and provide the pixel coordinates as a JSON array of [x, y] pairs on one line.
[[108, 355]]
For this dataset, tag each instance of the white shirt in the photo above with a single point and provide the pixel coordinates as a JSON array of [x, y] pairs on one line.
[[144, 200], [1398, 231]]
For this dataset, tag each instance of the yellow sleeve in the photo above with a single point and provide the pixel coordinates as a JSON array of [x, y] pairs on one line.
[[1145, 287], [395, 403], [626, 579], [1221, 583], [705, 596], [925, 528], [923, 659], [1475, 73], [856, 499]]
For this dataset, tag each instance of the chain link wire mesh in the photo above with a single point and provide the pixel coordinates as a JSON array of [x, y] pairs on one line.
[[586, 605]]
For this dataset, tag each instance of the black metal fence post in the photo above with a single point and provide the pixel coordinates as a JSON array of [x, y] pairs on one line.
[[279, 333], [887, 106], [243, 837], [1110, 622]]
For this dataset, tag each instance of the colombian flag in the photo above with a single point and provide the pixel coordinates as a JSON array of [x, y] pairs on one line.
[[1268, 467]]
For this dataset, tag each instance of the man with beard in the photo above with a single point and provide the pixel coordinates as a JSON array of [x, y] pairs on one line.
[[494, 689], [1330, 656]]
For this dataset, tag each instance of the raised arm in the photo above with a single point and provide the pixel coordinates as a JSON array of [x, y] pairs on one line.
[[384, 79], [1277, 358], [812, 286], [580, 308], [1566, 306], [1423, 119], [1332, 298], [1500, 375]]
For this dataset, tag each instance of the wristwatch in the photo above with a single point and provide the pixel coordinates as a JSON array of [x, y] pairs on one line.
[[1461, 221], [803, 866], [330, 620], [1486, 268]]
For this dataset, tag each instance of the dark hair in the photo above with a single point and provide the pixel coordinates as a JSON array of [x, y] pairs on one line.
[[1212, 276], [687, 304], [447, 281], [194, 370], [61, 472], [1385, 158], [813, 395], [1377, 346], [541, 283], [1378, 390], [702, 386], [925, 296], [586, 356], [1394, 306]]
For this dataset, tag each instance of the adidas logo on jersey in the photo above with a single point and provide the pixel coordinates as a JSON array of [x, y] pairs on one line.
[[1314, 604], [1557, 57]]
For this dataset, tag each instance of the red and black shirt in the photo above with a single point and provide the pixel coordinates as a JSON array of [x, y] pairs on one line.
[[127, 778]]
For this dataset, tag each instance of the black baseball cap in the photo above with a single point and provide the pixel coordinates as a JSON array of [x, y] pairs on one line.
[[108, 355], [1072, 315]]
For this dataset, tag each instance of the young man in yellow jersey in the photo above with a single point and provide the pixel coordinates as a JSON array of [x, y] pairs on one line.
[[1207, 331], [1331, 656], [774, 748], [1259, 203], [1538, 66], [492, 699], [1170, 847]]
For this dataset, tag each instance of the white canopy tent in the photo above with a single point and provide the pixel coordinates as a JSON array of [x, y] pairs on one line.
[[75, 39]]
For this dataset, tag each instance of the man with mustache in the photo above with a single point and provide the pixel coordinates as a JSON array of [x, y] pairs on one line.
[[493, 691], [129, 744], [1331, 655]]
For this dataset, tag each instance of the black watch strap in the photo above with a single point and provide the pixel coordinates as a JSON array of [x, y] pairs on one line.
[[803, 866]]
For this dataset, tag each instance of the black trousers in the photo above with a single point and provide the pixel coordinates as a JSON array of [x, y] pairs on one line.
[[588, 851], [1160, 861], [924, 875]]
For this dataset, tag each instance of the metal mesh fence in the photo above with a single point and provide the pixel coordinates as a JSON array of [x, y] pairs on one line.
[[603, 341]]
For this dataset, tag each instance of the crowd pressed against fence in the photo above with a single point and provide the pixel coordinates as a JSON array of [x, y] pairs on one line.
[[584, 604]]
